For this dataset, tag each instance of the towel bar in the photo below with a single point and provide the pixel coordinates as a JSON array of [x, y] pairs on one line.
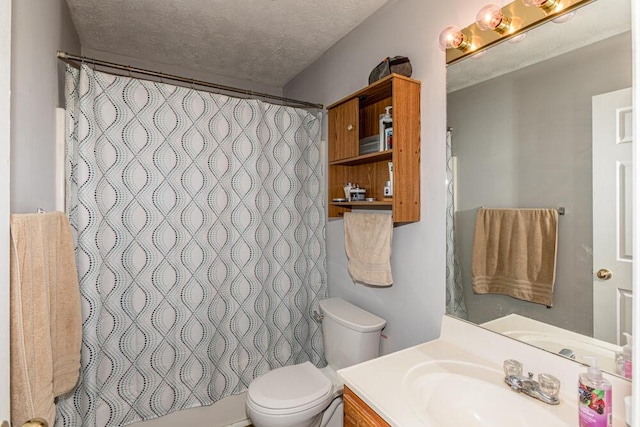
[[560, 210]]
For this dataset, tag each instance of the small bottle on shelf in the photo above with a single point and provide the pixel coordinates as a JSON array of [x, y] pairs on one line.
[[386, 122], [387, 189], [347, 191]]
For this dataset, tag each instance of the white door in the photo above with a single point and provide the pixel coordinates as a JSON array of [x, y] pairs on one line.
[[5, 89], [612, 215]]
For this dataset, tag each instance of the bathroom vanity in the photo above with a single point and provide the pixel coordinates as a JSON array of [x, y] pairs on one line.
[[458, 379]]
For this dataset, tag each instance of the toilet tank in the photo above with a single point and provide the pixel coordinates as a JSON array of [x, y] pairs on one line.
[[351, 334]]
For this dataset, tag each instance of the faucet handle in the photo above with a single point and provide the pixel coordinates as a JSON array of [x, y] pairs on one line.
[[512, 367], [549, 385]]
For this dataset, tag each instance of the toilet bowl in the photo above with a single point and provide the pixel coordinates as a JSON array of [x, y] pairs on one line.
[[294, 396], [305, 396]]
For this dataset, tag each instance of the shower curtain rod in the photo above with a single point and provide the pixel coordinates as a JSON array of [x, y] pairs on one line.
[[69, 58]]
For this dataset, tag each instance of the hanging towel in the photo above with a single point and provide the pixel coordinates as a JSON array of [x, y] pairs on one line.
[[514, 253], [46, 320], [367, 241]]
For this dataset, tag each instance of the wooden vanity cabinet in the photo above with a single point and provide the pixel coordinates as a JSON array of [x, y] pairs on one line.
[[359, 414], [357, 117]]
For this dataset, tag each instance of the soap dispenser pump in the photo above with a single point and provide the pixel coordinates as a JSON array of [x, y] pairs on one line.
[[624, 359], [594, 397]]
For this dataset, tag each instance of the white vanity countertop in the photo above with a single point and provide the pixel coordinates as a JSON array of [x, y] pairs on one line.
[[381, 382]]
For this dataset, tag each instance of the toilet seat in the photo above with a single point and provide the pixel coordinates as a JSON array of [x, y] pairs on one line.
[[290, 389]]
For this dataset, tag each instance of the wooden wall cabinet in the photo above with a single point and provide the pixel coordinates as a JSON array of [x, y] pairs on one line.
[[359, 414], [357, 117]]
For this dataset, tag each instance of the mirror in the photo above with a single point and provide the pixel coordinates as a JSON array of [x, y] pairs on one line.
[[522, 129]]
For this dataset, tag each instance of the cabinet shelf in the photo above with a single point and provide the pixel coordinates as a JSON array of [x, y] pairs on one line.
[[375, 203], [365, 158], [355, 118]]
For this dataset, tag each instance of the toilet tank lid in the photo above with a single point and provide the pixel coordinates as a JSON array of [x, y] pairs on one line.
[[351, 316]]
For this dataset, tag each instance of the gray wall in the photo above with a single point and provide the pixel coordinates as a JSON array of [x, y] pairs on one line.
[[39, 29], [414, 305], [524, 140]]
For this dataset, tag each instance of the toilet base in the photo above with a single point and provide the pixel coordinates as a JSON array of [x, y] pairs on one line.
[[332, 416]]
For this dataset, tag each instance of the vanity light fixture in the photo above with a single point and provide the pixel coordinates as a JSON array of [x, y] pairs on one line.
[[452, 38], [491, 17], [546, 5], [511, 22]]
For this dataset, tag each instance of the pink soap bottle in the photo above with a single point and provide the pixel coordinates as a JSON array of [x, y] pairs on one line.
[[624, 359], [594, 397]]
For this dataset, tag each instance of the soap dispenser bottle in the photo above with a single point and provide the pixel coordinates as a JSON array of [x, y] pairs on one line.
[[594, 397], [624, 359], [386, 128]]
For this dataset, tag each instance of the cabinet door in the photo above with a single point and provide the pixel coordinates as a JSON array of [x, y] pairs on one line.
[[343, 130]]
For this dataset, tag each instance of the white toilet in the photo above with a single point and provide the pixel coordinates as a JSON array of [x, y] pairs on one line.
[[305, 396]]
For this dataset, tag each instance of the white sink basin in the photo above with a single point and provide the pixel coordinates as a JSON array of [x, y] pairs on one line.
[[454, 394], [554, 339], [606, 352]]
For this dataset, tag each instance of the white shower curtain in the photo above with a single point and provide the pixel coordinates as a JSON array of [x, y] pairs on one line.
[[200, 226], [455, 293]]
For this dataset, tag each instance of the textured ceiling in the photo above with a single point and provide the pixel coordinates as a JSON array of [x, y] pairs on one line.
[[265, 41]]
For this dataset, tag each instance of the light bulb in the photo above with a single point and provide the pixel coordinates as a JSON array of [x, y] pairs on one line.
[[479, 54], [452, 38], [516, 25], [518, 38], [564, 17], [546, 5], [490, 17]]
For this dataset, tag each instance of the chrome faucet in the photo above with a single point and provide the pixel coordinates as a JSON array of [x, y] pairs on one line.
[[545, 389], [567, 352]]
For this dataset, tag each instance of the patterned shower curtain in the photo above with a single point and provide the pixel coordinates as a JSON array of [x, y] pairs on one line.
[[200, 227], [455, 295]]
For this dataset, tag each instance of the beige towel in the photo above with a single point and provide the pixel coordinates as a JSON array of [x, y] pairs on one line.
[[367, 241], [46, 320], [514, 253]]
